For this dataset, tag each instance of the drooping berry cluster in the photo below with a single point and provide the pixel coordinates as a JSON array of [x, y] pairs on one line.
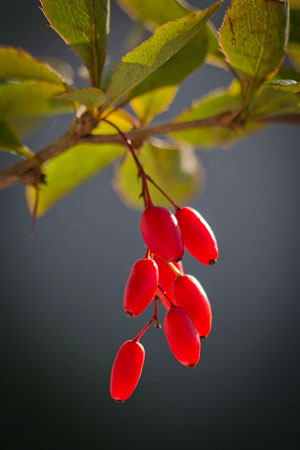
[[160, 276]]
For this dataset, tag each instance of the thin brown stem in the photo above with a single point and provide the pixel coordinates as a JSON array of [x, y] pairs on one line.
[[28, 172]]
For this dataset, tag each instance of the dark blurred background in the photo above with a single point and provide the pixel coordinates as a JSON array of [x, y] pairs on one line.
[[61, 296]]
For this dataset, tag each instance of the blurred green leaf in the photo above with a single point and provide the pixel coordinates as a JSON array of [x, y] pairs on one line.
[[10, 141], [285, 85], [31, 99], [152, 103], [295, 24], [272, 100], [294, 53], [216, 102], [177, 172], [253, 38], [90, 96], [84, 25], [68, 170], [17, 64], [153, 53]]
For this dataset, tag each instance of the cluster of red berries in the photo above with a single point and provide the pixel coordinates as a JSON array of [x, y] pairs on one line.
[[160, 276]]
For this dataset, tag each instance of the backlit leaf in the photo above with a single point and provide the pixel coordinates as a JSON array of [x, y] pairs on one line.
[[177, 172], [84, 25], [31, 99], [68, 170], [153, 53], [253, 37], [10, 141], [90, 97], [17, 64], [148, 105], [156, 13], [215, 103]]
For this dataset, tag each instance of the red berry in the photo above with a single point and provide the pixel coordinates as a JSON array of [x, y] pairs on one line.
[[166, 279], [161, 233], [140, 287], [126, 370], [198, 237], [190, 295], [182, 336]]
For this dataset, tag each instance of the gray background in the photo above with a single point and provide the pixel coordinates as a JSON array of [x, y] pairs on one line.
[[61, 297]]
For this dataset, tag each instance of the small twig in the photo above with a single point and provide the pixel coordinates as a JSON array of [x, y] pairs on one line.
[[18, 172]]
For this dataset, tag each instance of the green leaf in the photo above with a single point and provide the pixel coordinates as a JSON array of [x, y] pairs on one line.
[[214, 56], [68, 170], [153, 53], [177, 172], [152, 103], [156, 13], [10, 141], [90, 97], [295, 24], [216, 102], [294, 53], [31, 99], [84, 25], [177, 68], [272, 100], [253, 38], [19, 65], [285, 85]]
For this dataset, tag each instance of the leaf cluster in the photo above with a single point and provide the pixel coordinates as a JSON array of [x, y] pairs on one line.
[[259, 42]]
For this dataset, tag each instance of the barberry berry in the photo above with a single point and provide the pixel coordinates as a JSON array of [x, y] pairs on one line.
[[126, 371], [167, 276], [198, 237], [182, 336], [190, 295], [161, 233], [140, 287]]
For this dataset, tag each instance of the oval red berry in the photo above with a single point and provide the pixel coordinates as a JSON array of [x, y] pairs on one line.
[[141, 286], [126, 371], [161, 233], [182, 336], [198, 237], [166, 279], [190, 295]]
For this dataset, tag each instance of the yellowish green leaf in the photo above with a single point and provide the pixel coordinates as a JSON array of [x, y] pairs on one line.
[[84, 25], [10, 141], [68, 170], [154, 52], [148, 105], [253, 38], [31, 99], [17, 64], [177, 172], [90, 97]]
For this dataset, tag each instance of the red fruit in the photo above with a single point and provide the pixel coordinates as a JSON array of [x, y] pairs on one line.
[[182, 336], [190, 295], [161, 233], [166, 279], [140, 287], [198, 237], [126, 370]]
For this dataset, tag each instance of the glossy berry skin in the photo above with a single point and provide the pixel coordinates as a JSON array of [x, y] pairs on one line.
[[182, 336], [198, 237], [140, 287], [161, 233], [190, 295], [166, 279], [126, 370]]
